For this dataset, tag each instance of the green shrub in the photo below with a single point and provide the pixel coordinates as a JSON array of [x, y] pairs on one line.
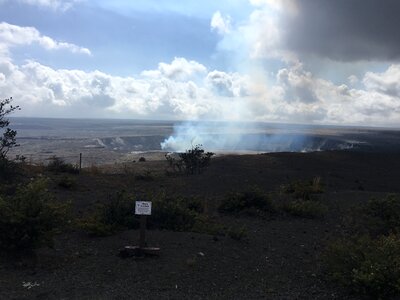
[[175, 165], [173, 214], [368, 267], [306, 208], [304, 189], [192, 161], [114, 215], [195, 159], [30, 218], [118, 213], [378, 216], [58, 165], [248, 200], [67, 182]]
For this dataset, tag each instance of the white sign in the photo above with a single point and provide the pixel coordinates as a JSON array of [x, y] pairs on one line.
[[143, 208]]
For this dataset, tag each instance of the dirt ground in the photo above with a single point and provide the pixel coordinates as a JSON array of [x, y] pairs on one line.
[[279, 258]]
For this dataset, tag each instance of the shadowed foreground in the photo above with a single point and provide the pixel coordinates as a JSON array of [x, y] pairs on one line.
[[279, 258]]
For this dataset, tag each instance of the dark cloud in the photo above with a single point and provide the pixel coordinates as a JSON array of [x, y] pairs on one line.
[[345, 30]]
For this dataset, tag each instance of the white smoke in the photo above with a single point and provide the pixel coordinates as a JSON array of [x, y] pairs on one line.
[[238, 137], [213, 136]]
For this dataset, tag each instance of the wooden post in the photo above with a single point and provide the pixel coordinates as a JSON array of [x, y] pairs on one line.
[[142, 208], [142, 241], [80, 162]]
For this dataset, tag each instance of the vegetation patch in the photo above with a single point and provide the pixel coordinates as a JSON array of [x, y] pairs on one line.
[[179, 214], [377, 217], [192, 161], [8, 168], [304, 189], [67, 182], [116, 214], [306, 209], [58, 165], [253, 200], [170, 213], [370, 267], [367, 258], [30, 218]]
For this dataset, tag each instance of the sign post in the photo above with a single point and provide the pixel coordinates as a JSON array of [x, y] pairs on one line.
[[142, 209], [143, 223]]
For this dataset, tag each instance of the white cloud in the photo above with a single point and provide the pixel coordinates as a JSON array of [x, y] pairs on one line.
[[259, 37], [289, 6], [61, 5], [14, 35], [178, 69], [228, 84], [295, 96], [221, 24], [387, 82], [353, 80], [186, 89]]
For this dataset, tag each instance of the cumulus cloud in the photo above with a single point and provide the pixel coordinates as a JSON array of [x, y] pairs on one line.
[[186, 89], [13, 35], [221, 24], [178, 69], [40, 89], [228, 84], [298, 84], [261, 36], [295, 95], [387, 82]]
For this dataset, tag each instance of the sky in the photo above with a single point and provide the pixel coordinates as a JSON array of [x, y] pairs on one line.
[[287, 61]]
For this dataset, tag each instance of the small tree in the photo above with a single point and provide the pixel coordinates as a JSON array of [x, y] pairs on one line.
[[8, 137], [195, 159], [192, 161]]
